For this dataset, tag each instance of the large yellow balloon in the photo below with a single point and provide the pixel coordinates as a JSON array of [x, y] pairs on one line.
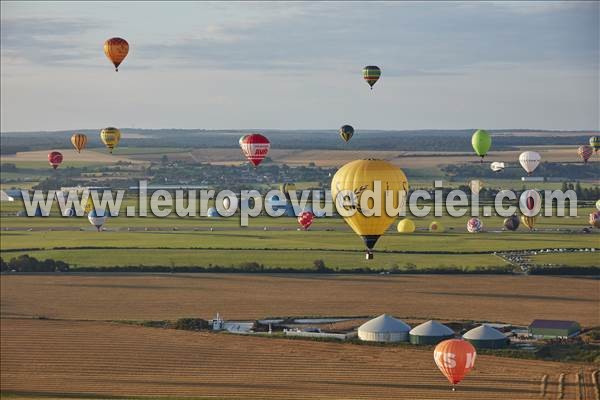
[[406, 226], [359, 176], [110, 137]]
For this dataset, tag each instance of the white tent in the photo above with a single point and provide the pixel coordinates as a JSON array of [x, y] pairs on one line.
[[384, 328]]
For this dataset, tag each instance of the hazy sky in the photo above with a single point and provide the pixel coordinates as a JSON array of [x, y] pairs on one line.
[[298, 65]]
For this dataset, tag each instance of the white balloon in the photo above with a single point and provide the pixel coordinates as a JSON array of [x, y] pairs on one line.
[[529, 161]]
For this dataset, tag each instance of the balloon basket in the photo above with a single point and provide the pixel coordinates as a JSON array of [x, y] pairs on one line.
[[369, 256]]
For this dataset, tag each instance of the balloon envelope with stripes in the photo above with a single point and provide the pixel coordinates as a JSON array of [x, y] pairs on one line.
[[371, 74], [585, 152], [79, 140]]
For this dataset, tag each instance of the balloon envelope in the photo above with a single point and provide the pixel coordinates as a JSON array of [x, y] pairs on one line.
[[436, 226], [110, 137], [585, 152], [406, 226], [346, 132], [305, 219], [474, 225], [511, 223], [595, 143], [529, 161], [79, 140], [455, 358], [255, 147], [116, 49], [371, 74], [55, 158], [497, 166], [529, 222], [352, 180], [97, 218], [595, 219], [481, 142]]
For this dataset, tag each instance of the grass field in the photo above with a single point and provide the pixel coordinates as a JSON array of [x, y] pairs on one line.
[[96, 360]]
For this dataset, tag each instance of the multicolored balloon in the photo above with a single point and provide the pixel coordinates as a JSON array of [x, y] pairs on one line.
[[595, 219], [481, 142], [585, 152], [110, 137], [512, 223], [455, 358], [371, 74], [352, 180], [55, 158], [595, 143], [116, 49], [79, 140], [305, 219], [255, 147], [406, 226], [474, 225], [346, 132], [529, 161], [476, 185]]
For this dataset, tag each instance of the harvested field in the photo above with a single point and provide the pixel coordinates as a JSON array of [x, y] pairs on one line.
[[335, 158], [511, 299], [96, 359]]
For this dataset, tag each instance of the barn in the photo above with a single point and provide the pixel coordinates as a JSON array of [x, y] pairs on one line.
[[553, 329], [486, 337], [430, 332], [384, 328]]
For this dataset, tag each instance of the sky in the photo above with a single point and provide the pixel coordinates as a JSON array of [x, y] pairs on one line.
[[277, 65]]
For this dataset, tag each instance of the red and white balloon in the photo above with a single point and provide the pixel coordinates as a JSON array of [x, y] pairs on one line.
[[55, 158], [255, 147], [474, 225], [305, 219]]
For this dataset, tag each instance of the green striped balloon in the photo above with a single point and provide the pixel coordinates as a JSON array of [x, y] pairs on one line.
[[371, 74]]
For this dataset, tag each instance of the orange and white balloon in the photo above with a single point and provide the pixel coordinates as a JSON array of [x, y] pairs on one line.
[[116, 49], [455, 358]]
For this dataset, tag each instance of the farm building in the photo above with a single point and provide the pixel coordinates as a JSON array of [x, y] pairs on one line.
[[384, 328], [486, 337], [430, 332], [553, 329]]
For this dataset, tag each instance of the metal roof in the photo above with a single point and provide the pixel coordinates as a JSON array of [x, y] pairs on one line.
[[384, 323], [552, 324], [431, 328], [484, 332]]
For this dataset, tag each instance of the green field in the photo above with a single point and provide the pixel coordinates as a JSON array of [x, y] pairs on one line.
[[190, 242]]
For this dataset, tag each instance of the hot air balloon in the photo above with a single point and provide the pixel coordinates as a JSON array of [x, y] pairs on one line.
[[116, 50], [598, 205], [305, 219], [528, 221], [595, 143], [285, 188], [585, 152], [481, 142], [406, 226], [512, 223], [212, 213], [595, 219], [355, 178], [371, 74], [474, 225], [497, 166], [476, 185], [255, 147], [55, 158], [97, 218], [530, 202], [110, 137], [436, 226], [529, 161], [79, 140], [346, 132], [454, 358]]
